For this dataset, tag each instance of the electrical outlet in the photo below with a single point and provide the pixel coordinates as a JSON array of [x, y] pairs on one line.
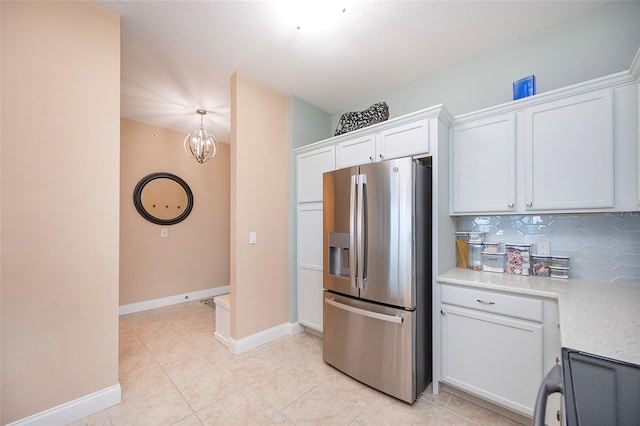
[[164, 232]]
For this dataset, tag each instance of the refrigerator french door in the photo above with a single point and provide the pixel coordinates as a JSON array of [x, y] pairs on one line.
[[377, 274]]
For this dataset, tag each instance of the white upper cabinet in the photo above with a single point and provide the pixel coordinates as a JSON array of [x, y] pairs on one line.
[[309, 169], [403, 141], [356, 151], [568, 152], [401, 137], [483, 155], [572, 150]]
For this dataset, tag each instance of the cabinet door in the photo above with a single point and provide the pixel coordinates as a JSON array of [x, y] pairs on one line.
[[638, 140], [310, 265], [483, 165], [569, 153], [309, 169], [492, 356], [360, 150], [403, 141]]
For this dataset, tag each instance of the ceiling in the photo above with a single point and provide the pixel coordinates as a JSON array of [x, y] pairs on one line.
[[178, 56]]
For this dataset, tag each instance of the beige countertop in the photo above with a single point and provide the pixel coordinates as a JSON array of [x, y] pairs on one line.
[[598, 317]]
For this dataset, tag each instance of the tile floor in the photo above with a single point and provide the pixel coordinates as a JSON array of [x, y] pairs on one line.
[[174, 372]]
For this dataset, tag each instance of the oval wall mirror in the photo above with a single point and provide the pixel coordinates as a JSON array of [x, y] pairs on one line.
[[163, 198]]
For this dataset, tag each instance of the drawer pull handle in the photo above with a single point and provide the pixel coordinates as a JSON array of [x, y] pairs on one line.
[[484, 302]]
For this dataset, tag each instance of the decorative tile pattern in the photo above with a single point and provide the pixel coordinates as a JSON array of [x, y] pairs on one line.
[[601, 246]]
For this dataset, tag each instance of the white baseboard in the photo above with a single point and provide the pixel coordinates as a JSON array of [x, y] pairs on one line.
[[74, 410], [173, 300], [251, 342]]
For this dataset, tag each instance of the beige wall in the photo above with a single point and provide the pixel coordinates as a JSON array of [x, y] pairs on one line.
[[195, 256], [60, 172], [259, 202]]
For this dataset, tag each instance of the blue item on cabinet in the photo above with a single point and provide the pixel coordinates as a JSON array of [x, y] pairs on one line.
[[524, 87]]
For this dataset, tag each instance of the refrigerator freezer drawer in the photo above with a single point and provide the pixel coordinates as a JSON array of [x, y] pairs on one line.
[[371, 343]]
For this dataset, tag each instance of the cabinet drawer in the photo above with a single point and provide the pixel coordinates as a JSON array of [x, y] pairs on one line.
[[503, 304]]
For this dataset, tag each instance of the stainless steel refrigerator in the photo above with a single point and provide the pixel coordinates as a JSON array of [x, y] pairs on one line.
[[377, 274]]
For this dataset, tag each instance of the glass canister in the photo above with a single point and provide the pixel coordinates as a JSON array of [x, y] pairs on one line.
[[493, 262], [462, 245], [540, 265], [560, 261], [518, 258], [475, 255], [490, 247], [559, 272]]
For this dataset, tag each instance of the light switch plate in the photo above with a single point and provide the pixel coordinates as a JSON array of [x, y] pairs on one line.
[[164, 232], [253, 237]]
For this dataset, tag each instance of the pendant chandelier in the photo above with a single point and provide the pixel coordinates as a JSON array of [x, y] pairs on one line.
[[199, 144]]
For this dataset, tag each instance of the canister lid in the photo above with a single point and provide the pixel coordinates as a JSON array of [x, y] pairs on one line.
[[470, 235], [528, 245]]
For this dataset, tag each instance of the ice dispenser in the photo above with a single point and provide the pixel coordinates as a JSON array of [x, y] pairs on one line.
[[339, 254]]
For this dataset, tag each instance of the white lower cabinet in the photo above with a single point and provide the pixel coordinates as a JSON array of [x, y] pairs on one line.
[[493, 346]]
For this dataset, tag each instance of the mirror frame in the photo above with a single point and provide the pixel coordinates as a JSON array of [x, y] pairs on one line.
[[137, 198]]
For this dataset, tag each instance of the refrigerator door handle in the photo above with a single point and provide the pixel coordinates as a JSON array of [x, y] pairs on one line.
[[363, 312], [353, 249], [362, 262]]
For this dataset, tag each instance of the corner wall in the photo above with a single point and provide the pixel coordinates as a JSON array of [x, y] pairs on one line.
[[195, 255], [259, 203], [60, 204]]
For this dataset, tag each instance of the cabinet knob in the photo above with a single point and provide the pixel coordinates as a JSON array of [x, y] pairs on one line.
[[442, 312], [371, 158], [381, 156], [510, 205], [530, 203]]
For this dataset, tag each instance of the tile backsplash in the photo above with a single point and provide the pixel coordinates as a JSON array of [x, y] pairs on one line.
[[602, 247]]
